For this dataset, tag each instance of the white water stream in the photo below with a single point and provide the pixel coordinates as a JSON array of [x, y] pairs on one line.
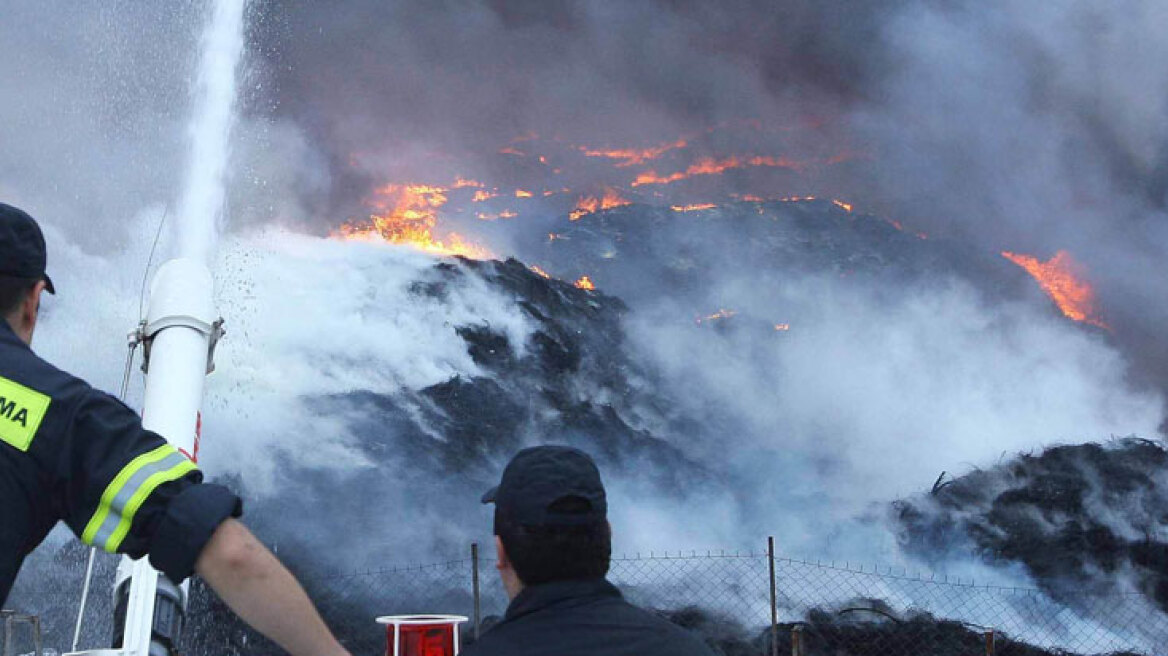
[[201, 205]]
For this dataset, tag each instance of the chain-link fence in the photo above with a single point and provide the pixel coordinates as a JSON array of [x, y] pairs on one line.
[[741, 603]]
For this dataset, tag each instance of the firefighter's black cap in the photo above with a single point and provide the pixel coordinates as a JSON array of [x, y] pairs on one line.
[[550, 486], [22, 247]]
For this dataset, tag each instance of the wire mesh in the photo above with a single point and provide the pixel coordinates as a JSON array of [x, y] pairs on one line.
[[822, 609]]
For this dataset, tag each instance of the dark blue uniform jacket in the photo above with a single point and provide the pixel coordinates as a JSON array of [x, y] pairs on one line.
[[69, 452], [582, 618]]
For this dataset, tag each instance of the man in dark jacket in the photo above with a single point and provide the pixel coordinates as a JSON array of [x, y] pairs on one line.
[[554, 544], [71, 453]]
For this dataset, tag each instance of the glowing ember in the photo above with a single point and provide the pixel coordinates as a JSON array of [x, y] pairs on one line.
[[590, 204], [847, 207], [1062, 279], [406, 215], [692, 208], [482, 194], [720, 314], [463, 182], [520, 193], [711, 166], [540, 272], [632, 157], [487, 216], [782, 327], [553, 236], [585, 283]]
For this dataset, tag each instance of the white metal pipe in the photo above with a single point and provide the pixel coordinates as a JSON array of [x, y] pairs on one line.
[[179, 325], [179, 333]]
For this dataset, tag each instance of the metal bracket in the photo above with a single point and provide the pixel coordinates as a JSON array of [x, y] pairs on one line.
[[139, 337]]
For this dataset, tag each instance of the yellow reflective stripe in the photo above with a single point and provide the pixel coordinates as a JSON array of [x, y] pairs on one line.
[[129, 489], [176, 472]]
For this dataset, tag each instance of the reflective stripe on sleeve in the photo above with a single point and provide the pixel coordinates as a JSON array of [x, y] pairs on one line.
[[128, 491]]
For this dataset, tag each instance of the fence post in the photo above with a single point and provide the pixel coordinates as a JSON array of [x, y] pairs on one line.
[[474, 566], [797, 640], [774, 599], [989, 642]]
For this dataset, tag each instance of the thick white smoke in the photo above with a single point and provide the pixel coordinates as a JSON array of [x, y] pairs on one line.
[[872, 392], [312, 317], [1035, 127]]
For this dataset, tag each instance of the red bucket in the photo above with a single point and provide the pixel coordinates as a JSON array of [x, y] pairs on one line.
[[421, 635]]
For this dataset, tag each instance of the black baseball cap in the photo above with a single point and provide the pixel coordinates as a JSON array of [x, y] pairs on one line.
[[22, 247], [550, 486]]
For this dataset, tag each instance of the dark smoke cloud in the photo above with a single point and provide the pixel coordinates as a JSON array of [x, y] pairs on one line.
[[425, 90], [1017, 126]]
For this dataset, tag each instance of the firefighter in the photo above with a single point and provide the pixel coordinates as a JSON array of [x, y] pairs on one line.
[[71, 453], [554, 544]]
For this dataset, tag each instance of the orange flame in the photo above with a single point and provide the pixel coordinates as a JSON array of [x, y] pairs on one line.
[[520, 193], [711, 166], [631, 156], [460, 182], [720, 314], [1061, 278], [487, 216], [585, 283], [481, 195], [590, 204], [406, 215], [540, 272], [847, 207], [692, 208]]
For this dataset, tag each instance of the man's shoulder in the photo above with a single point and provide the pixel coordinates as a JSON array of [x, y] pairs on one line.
[[673, 638], [22, 366], [603, 626]]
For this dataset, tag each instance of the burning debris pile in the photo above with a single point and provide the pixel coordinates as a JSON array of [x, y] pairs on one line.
[[680, 246], [512, 354], [634, 250], [1083, 520]]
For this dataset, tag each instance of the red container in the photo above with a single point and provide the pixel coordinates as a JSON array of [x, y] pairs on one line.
[[421, 635]]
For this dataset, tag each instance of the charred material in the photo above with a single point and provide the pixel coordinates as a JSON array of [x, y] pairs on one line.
[[1087, 518], [635, 250]]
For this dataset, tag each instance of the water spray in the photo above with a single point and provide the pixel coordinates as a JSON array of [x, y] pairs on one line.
[[181, 328]]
